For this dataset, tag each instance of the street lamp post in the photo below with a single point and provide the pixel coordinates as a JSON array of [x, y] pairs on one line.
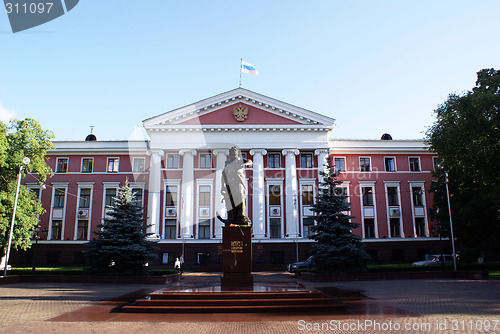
[[9, 244], [451, 222]]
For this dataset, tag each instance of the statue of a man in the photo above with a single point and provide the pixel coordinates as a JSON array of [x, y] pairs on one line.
[[234, 190]]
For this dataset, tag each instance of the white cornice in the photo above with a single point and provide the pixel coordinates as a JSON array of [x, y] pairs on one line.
[[357, 146]]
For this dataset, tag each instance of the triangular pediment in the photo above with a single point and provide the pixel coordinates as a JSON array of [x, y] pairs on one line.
[[251, 109]]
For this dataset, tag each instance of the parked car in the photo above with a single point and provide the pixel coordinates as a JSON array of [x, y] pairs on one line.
[[307, 264], [435, 260]]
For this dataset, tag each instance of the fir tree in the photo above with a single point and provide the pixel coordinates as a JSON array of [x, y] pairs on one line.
[[337, 249], [122, 247]]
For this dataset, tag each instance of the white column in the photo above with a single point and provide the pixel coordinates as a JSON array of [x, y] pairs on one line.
[[291, 193], [154, 204], [187, 193], [322, 154], [221, 157], [258, 193]]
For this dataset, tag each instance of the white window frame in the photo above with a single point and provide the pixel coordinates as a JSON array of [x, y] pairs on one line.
[[204, 183], [419, 164], [393, 184], [366, 184], [305, 182], [108, 185], [57, 163], [134, 170], [211, 160], [274, 182], [171, 183], [419, 184], [395, 165], [81, 165], [84, 185], [172, 155], [345, 163], [117, 165], [55, 186], [371, 166]]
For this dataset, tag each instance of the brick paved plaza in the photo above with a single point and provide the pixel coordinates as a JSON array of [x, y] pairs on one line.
[[392, 306]]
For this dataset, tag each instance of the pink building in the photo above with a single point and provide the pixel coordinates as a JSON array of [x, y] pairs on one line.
[[176, 173]]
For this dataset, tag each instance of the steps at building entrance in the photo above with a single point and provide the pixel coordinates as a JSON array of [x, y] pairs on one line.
[[235, 302]]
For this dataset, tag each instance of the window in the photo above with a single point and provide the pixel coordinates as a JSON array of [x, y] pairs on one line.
[[204, 194], [367, 193], [306, 160], [369, 226], [202, 258], [392, 196], [390, 164], [417, 196], [165, 258], [205, 160], [62, 165], [340, 164], [395, 227], [139, 165], [273, 160], [274, 194], [137, 192], [307, 194], [112, 165], [275, 228], [172, 161], [415, 164], [110, 195], [420, 226], [342, 191], [364, 164], [204, 229], [308, 223], [84, 202], [83, 230], [437, 163], [59, 196], [56, 230], [171, 198], [170, 228], [87, 165]]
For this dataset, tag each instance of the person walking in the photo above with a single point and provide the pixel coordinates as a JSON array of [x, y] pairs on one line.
[[177, 265]]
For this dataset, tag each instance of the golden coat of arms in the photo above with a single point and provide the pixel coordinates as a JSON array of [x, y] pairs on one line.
[[240, 113]]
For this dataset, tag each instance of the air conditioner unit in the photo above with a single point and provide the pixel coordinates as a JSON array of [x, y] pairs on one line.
[[83, 213], [395, 212], [204, 212], [275, 211], [170, 212]]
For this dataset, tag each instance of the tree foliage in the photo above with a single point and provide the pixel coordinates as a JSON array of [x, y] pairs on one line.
[[122, 247], [466, 136], [19, 139], [337, 249]]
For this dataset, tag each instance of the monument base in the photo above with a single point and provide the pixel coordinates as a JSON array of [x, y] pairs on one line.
[[236, 282], [237, 257]]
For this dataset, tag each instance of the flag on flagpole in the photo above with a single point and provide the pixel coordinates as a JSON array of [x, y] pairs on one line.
[[248, 68]]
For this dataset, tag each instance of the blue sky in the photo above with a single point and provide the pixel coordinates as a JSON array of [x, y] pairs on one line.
[[374, 66]]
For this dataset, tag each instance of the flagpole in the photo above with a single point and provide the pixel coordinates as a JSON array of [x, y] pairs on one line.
[[241, 64]]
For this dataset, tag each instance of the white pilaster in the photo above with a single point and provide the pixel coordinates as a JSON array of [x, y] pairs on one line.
[[187, 193], [258, 191], [291, 193], [221, 157], [322, 154], [154, 204]]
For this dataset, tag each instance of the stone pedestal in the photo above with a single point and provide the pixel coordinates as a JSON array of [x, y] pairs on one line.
[[237, 257]]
